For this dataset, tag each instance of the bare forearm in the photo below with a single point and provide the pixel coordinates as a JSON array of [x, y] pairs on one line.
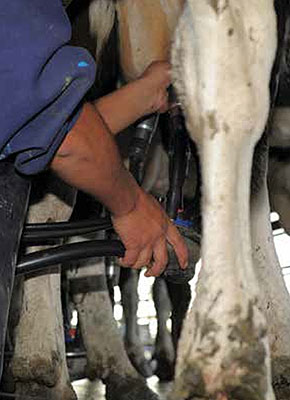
[[143, 96], [89, 160], [125, 106]]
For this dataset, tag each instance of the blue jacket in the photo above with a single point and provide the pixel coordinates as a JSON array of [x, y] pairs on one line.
[[42, 81]]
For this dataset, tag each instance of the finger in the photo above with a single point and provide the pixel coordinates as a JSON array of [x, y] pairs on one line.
[[178, 244], [144, 258], [160, 256], [130, 258]]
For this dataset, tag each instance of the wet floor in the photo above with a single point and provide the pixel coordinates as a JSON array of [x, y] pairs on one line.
[[87, 390]]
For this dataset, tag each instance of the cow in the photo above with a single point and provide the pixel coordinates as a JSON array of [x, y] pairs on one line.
[[222, 57]]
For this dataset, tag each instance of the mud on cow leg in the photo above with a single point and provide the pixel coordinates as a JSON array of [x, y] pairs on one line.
[[224, 88], [39, 361]]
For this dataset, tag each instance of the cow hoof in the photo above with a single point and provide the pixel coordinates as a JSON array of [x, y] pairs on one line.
[[165, 366], [33, 390], [281, 378], [121, 388], [42, 378], [144, 367], [164, 357], [77, 368], [138, 360]]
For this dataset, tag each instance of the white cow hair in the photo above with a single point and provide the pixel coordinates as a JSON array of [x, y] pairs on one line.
[[101, 20]]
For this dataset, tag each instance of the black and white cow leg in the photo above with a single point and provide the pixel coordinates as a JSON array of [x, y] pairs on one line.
[[180, 296], [224, 350], [101, 338], [39, 361], [135, 349], [164, 352], [274, 297]]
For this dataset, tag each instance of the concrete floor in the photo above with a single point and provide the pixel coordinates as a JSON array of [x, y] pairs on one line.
[[87, 390]]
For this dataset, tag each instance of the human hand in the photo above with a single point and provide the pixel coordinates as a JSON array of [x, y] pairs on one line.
[[145, 232], [156, 79]]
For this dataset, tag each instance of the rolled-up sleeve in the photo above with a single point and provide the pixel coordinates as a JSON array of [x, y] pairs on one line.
[[42, 81]]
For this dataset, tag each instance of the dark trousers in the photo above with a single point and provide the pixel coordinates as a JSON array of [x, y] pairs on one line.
[[14, 196]]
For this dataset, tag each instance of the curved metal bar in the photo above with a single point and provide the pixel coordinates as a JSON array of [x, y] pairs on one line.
[[39, 261]]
